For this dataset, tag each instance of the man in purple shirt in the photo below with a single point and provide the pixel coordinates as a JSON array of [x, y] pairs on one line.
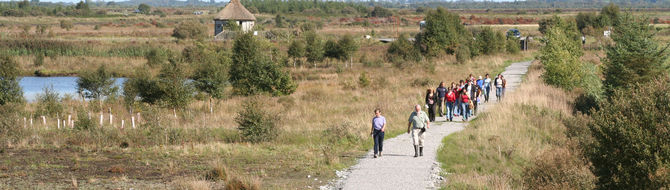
[[378, 128]]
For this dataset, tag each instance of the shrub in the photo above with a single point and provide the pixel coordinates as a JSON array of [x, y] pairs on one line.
[[314, 50], [632, 148], [342, 133], [363, 80], [380, 12], [190, 30], [48, 103], [255, 124], [442, 33], [635, 55], [242, 184], [252, 73], [462, 54], [402, 51], [10, 91], [560, 57], [513, 45], [66, 24], [558, 168], [83, 122], [157, 56], [96, 85]]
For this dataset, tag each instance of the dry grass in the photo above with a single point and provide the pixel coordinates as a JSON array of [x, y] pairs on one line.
[[494, 151]]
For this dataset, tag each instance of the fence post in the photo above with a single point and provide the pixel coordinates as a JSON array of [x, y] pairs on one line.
[[123, 122], [44, 121], [101, 117], [133, 121], [69, 119], [58, 122]]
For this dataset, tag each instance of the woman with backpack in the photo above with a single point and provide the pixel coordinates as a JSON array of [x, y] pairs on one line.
[[431, 98], [465, 105]]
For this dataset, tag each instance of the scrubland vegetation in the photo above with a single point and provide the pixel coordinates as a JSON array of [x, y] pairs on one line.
[[576, 122]]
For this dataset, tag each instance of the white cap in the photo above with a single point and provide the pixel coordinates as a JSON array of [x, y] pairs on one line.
[[480, 77]]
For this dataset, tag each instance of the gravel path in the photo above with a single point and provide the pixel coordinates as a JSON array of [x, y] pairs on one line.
[[398, 169]]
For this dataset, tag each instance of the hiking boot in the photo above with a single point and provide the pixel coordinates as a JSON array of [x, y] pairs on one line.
[[375, 156], [420, 151], [380, 154], [416, 151]]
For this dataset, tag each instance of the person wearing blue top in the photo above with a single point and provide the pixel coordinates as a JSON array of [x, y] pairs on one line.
[[487, 88], [378, 128]]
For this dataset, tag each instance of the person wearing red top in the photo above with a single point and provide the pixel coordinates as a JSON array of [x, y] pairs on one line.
[[450, 103], [465, 106]]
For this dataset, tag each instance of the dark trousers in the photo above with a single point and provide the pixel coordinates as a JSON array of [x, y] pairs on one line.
[[378, 137], [440, 110], [431, 112]]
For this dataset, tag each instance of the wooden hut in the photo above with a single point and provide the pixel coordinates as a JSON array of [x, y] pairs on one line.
[[235, 12]]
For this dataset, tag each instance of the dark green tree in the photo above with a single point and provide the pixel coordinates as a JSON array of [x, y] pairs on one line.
[[252, 72], [296, 50], [635, 55], [279, 21], [144, 9], [401, 51], [561, 59], [348, 48], [631, 148], [609, 15], [10, 91], [443, 32]]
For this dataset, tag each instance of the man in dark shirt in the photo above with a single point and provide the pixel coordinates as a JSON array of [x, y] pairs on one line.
[[441, 93]]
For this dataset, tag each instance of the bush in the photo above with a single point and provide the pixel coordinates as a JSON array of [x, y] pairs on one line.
[[462, 54], [48, 103], [66, 24], [190, 30], [342, 133], [83, 122], [632, 148], [363, 80], [442, 33], [635, 56], [561, 59], [157, 56], [402, 51], [10, 91], [513, 45], [253, 73], [558, 168], [255, 124]]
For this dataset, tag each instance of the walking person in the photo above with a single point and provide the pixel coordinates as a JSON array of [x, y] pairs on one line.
[[473, 97], [499, 84], [468, 90], [465, 105], [441, 92], [430, 102], [450, 103], [377, 131], [459, 90], [418, 123], [487, 87]]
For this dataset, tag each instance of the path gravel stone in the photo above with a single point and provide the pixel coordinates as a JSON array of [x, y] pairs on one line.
[[398, 169]]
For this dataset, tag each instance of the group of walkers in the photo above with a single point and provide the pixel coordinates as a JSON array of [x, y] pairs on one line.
[[463, 98], [460, 99]]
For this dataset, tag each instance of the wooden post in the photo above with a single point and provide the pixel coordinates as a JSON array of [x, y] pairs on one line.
[[44, 121], [133, 121], [64, 125]]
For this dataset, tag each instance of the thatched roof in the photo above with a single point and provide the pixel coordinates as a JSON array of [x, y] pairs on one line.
[[235, 11]]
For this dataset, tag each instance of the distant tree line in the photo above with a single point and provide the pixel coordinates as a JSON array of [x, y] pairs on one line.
[[304, 6]]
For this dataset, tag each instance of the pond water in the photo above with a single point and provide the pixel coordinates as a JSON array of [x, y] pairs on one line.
[[32, 86]]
